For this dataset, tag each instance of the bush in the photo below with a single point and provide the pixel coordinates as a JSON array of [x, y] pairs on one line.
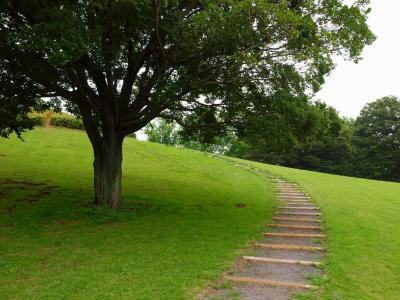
[[56, 119], [66, 120], [37, 118], [51, 118]]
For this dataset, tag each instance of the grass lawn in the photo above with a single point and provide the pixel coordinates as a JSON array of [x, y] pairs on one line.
[[187, 215], [362, 219]]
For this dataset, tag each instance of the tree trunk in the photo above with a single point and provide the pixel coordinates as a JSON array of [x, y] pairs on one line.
[[108, 171]]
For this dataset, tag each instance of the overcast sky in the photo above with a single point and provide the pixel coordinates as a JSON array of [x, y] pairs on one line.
[[350, 86]]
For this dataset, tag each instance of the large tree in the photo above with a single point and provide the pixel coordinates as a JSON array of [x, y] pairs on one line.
[[120, 64], [376, 138]]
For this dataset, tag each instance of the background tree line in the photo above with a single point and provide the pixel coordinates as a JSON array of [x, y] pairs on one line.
[[312, 136]]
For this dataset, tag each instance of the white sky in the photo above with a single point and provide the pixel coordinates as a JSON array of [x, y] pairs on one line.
[[350, 86]]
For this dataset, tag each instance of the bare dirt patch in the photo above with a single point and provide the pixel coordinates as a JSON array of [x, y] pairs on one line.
[[22, 183], [33, 191]]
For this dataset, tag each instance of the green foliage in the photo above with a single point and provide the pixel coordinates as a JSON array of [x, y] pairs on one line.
[[14, 113], [283, 122], [179, 229], [56, 119], [329, 149], [170, 133], [238, 148], [120, 64], [37, 119], [162, 132], [67, 121], [13, 118], [367, 147], [377, 140], [312, 137]]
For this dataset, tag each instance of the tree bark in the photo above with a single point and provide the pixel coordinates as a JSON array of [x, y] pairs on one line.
[[108, 171]]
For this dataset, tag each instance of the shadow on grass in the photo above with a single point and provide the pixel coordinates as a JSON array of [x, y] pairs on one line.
[[25, 202]]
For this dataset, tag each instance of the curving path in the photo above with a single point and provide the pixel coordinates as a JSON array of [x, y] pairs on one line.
[[289, 256]]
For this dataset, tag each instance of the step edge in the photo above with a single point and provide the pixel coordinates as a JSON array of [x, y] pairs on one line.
[[270, 282]]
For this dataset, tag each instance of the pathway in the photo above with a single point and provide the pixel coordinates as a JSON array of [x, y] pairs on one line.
[[289, 256]]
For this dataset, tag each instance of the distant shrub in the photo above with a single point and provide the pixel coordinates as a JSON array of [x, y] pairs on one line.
[[37, 118], [66, 120], [50, 118]]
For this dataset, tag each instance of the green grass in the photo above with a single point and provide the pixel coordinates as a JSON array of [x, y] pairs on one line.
[[181, 225], [362, 221], [180, 228]]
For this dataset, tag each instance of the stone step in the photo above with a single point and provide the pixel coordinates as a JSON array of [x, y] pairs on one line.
[[295, 226], [282, 261], [298, 220], [285, 185], [281, 187], [300, 207], [269, 282], [297, 201], [299, 214], [294, 197], [306, 203], [295, 235], [289, 247], [291, 199], [293, 193], [288, 187]]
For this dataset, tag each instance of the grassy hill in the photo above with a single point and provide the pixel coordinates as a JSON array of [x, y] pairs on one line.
[[187, 216]]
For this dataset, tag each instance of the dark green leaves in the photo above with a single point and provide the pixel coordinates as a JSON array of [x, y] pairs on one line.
[[127, 62], [377, 140]]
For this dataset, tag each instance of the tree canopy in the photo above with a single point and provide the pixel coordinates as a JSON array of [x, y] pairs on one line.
[[312, 136], [120, 64], [377, 140], [367, 147]]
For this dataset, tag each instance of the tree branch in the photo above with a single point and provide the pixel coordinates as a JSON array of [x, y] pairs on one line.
[[89, 123], [134, 65], [157, 31], [97, 76]]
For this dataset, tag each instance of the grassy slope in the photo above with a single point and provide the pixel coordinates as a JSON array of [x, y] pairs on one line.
[[363, 226], [181, 226]]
